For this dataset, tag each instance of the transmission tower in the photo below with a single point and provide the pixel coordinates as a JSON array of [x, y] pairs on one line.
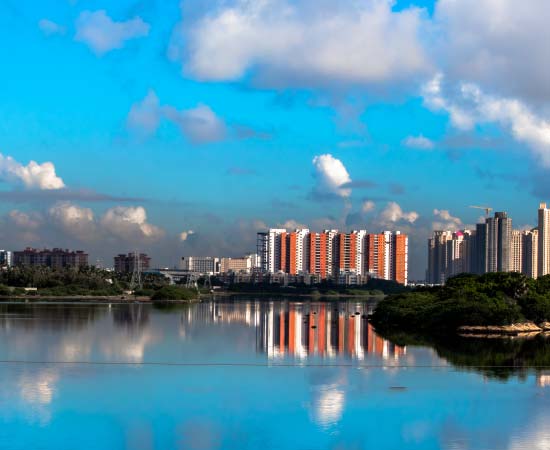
[[192, 279], [136, 282]]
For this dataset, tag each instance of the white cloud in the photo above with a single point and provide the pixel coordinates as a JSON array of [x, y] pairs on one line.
[[302, 43], [434, 98], [50, 28], [129, 223], [27, 221], [97, 30], [367, 206], [331, 176], [445, 221], [184, 235], [291, 224], [201, 125], [32, 176], [502, 47], [73, 219], [144, 116], [419, 142], [471, 105], [393, 213]]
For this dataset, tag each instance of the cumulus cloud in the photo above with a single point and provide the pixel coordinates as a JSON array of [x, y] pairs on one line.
[[129, 222], [331, 177], [73, 219], [200, 125], [367, 206], [299, 43], [393, 213], [69, 224], [102, 34], [31, 176], [27, 221], [50, 28], [419, 142], [471, 105], [445, 221]]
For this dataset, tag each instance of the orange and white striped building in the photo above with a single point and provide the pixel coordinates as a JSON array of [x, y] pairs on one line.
[[331, 253]]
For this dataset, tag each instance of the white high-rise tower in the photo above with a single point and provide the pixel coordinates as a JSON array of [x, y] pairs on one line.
[[544, 240]]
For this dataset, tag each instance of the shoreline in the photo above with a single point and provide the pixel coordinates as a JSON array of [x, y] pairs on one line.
[[146, 299], [74, 299], [296, 294]]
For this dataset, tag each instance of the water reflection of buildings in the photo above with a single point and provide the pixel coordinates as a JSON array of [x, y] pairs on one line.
[[301, 329], [543, 378], [133, 317]]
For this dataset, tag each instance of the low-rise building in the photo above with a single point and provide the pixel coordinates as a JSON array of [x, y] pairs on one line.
[[244, 264], [207, 265]]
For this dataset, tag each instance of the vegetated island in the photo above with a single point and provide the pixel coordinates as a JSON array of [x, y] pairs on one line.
[[87, 283], [475, 305]]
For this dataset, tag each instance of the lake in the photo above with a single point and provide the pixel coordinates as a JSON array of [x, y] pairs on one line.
[[246, 373]]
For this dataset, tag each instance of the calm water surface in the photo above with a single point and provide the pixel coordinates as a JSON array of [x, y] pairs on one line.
[[247, 374]]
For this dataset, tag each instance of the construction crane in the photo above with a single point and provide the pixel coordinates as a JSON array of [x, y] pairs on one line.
[[487, 209]]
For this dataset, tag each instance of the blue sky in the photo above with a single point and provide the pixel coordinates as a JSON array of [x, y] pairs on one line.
[[161, 117]]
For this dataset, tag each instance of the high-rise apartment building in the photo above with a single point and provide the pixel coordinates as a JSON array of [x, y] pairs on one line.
[[295, 251], [332, 254], [544, 240], [481, 257], [351, 248], [492, 247], [399, 259], [530, 253], [437, 257], [376, 259], [6, 258], [516, 252], [499, 236], [387, 256], [458, 253], [56, 258], [321, 258]]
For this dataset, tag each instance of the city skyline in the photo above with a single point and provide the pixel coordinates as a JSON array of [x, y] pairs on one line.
[[492, 246], [91, 91]]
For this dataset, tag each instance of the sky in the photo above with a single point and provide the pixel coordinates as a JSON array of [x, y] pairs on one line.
[[183, 128]]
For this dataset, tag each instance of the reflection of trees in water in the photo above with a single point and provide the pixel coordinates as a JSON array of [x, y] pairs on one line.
[[49, 316], [499, 358], [133, 317]]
